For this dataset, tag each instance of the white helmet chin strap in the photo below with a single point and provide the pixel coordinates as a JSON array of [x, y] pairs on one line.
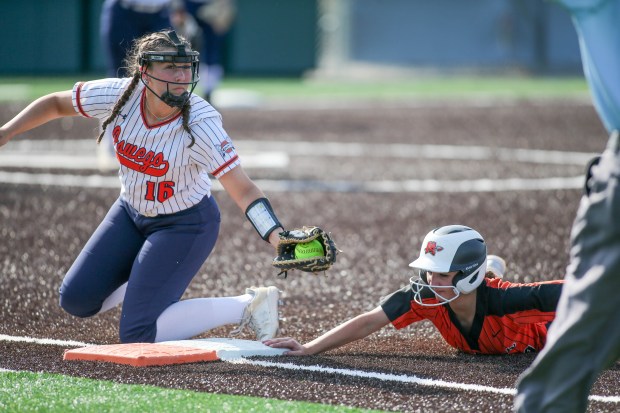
[[418, 285]]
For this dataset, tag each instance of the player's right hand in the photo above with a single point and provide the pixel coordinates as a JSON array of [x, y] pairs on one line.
[[295, 349]]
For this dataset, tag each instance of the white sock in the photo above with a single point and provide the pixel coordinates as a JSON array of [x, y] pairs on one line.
[[215, 73], [113, 299], [188, 318], [204, 79]]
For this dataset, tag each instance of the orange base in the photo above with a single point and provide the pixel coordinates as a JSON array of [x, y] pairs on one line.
[[141, 354]]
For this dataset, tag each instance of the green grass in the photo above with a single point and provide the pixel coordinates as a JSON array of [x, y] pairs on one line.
[[450, 87], [41, 392]]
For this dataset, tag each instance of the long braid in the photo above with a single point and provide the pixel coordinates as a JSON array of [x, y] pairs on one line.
[[119, 104], [185, 114]]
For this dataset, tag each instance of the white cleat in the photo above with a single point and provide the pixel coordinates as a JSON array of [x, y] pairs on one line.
[[261, 314], [496, 265]]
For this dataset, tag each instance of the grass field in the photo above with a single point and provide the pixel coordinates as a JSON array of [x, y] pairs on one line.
[[454, 87], [40, 392]]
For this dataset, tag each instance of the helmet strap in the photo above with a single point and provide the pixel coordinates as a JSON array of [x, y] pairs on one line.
[[172, 35]]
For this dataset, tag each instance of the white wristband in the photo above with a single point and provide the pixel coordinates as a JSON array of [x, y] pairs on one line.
[[261, 215]]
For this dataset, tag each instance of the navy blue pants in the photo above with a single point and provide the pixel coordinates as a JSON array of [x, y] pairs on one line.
[[212, 42], [120, 26], [157, 256]]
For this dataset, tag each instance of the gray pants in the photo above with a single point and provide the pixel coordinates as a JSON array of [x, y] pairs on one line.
[[584, 339]]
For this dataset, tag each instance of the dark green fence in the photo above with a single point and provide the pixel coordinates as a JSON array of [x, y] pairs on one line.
[[270, 37], [279, 37]]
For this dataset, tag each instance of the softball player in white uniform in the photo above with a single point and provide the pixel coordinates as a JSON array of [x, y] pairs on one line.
[[165, 223]]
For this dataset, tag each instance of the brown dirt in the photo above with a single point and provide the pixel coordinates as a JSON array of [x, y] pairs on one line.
[[43, 229]]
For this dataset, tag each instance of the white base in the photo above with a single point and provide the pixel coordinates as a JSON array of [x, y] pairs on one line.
[[229, 348]]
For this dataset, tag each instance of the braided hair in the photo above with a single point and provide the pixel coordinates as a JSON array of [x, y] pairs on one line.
[[157, 41]]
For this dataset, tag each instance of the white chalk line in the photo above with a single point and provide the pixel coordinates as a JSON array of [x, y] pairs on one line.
[[328, 370], [271, 185], [81, 148], [69, 154], [414, 151], [45, 341], [379, 376], [276, 154]]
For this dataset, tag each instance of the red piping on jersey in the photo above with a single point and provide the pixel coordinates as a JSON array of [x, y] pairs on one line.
[[218, 170], [156, 125], [77, 99]]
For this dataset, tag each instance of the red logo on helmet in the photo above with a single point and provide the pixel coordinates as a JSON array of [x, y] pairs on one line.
[[432, 248]]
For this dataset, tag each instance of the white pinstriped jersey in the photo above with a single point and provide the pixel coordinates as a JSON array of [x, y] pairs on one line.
[[159, 173]]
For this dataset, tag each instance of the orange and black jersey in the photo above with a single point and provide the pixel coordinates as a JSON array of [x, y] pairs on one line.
[[510, 318]]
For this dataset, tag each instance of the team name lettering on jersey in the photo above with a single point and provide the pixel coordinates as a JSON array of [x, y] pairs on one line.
[[177, 174], [138, 158]]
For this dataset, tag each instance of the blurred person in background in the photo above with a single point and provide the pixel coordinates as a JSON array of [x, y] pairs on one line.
[[122, 21], [585, 337], [185, 24], [215, 18]]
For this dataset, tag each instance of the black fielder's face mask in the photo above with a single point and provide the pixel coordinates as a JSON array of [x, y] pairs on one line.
[[180, 57]]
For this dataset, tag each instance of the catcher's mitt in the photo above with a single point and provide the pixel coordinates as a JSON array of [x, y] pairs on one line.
[[286, 259]]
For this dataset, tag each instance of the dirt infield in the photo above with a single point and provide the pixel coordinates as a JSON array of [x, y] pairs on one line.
[[44, 227]]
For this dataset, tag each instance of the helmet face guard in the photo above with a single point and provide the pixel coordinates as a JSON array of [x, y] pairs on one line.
[[418, 284], [448, 249], [181, 55]]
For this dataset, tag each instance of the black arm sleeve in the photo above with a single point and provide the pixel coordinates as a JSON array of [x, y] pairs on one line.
[[542, 296], [397, 303]]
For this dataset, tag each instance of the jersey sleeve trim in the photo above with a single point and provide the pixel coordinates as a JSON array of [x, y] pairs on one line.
[[78, 104], [224, 166]]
